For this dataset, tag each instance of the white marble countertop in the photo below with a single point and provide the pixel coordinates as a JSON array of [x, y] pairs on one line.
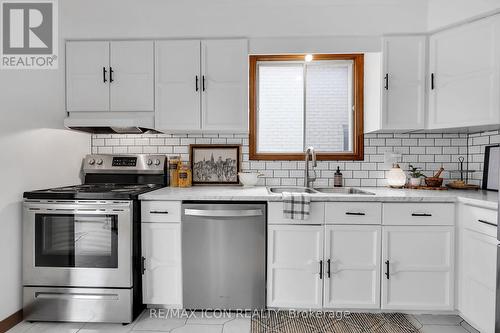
[[487, 199]]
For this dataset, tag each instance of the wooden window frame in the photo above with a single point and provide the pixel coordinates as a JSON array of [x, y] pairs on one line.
[[358, 88]]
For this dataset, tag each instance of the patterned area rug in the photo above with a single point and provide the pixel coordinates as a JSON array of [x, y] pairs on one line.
[[288, 322]]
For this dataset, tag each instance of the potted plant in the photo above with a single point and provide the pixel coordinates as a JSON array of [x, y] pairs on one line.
[[415, 175]]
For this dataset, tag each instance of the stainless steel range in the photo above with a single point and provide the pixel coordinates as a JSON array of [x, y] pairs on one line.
[[81, 250]]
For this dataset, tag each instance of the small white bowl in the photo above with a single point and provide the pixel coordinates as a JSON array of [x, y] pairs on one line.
[[249, 178]]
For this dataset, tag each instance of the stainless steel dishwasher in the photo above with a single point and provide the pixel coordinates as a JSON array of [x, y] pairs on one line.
[[224, 255]]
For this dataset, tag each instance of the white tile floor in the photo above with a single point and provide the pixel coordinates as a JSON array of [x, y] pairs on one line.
[[227, 324]]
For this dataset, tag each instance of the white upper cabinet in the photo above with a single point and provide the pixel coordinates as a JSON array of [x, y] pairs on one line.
[[225, 85], [404, 59], [132, 69], [178, 85], [418, 268], [352, 267], [202, 85], [87, 76], [294, 266], [465, 75], [109, 76]]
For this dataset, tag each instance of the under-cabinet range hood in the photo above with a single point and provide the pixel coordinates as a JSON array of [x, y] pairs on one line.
[[117, 122]]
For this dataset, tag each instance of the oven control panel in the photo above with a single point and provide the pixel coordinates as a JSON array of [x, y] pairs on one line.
[[140, 163]]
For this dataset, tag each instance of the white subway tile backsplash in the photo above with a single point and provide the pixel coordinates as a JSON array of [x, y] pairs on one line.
[[426, 142], [476, 146], [427, 151]]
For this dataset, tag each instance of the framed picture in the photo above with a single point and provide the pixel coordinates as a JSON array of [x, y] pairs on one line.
[[215, 164], [491, 168]]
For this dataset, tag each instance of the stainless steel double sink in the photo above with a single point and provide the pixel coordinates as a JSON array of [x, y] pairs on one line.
[[324, 190]]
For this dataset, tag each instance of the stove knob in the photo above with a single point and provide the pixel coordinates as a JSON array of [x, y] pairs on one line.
[[91, 161], [157, 162], [149, 162], [99, 162]]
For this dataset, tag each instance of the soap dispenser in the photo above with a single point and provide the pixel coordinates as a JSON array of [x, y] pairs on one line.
[[337, 178]]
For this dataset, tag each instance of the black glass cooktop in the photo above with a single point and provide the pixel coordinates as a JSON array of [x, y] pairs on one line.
[[94, 191]]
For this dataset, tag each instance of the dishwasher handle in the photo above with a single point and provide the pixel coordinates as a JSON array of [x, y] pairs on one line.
[[223, 213]]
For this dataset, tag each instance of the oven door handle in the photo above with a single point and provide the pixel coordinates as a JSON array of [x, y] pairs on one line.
[[78, 211], [49, 295]]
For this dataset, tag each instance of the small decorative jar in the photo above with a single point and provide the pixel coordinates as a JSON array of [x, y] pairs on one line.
[[396, 177]]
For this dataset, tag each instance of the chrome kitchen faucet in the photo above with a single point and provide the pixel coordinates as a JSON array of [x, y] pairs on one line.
[[310, 154]]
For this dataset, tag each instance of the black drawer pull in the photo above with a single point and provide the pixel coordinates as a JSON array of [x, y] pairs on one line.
[[432, 81], [321, 269], [386, 78], [486, 222], [203, 82], [387, 269], [328, 272], [354, 213], [111, 71], [104, 72], [421, 214], [196, 84], [158, 212]]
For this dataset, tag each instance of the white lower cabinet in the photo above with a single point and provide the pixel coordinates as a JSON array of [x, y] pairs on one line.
[[295, 253], [352, 257], [478, 280], [161, 251], [314, 267], [477, 266], [418, 268]]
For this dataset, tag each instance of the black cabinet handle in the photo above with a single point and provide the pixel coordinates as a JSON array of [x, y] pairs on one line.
[[111, 74], [328, 271], [486, 222], [196, 83], [104, 72], [432, 81], [387, 269], [143, 265], [158, 212], [355, 213], [203, 82], [421, 214], [321, 269], [386, 86]]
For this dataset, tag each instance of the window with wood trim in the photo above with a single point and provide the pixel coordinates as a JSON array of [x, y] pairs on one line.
[[298, 101]]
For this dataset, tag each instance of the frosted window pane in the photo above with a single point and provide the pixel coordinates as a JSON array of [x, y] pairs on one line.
[[280, 108], [329, 106]]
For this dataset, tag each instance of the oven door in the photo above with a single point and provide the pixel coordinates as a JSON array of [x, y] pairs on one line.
[[78, 244]]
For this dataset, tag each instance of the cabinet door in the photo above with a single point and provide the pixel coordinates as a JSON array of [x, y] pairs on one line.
[[225, 73], [465, 64], [420, 268], [404, 82], [178, 85], [478, 282], [352, 279], [87, 83], [162, 279], [132, 88], [294, 257]]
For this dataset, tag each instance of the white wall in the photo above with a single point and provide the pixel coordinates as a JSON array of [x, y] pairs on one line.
[[445, 12]]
